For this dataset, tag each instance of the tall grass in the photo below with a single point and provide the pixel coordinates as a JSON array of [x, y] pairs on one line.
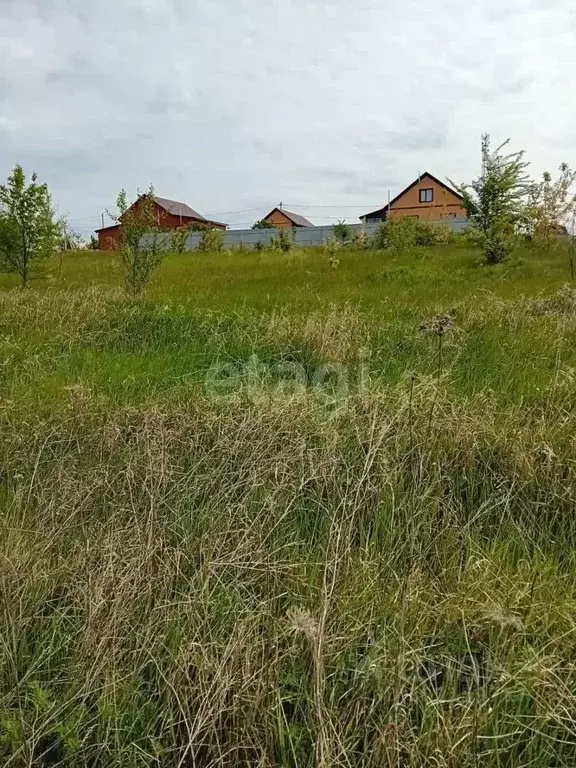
[[273, 579]]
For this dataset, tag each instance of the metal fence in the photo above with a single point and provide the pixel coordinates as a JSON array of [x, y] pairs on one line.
[[300, 236]]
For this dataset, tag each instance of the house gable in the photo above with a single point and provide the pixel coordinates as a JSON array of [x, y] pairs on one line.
[[411, 197], [427, 198], [279, 217]]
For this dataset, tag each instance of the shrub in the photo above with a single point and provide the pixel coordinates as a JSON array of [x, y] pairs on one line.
[[552, 204], [360, 240], [380, 237], [405, 233], [178, 239], [341, 231], [433, 234], [212, 240], [262, 224], [332, 246], [283, 242]]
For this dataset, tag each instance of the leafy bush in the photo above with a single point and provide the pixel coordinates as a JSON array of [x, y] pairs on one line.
[[178, 239], [360, 240], [404, 233], [212, 240], [341, 232], [552, 204], [283, 242], [332, 246], [433, 234], [262, 224]]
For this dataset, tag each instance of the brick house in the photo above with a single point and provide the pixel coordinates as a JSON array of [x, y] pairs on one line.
[[279, 217], [169, 214], [427, 198]]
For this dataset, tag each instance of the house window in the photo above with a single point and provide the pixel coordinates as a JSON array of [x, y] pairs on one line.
[[426, 195]]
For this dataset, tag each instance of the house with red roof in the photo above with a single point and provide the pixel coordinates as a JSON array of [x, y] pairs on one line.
[[169, 214]]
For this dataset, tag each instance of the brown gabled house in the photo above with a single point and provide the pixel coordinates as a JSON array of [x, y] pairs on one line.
[[427, 198], [169, 214], [280, 217]]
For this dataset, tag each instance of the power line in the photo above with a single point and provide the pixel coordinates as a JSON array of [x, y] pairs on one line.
[[327, 217], [86, 218], [293, 205], [305, 205], [232, 213], [76, 221]]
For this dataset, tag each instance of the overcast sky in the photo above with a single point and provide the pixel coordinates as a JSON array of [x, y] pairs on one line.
[[235, 105]]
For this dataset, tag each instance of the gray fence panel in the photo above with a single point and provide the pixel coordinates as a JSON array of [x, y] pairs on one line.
[[300, 236]]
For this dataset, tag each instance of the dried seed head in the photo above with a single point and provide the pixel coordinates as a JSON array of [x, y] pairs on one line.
[[506, 620], [302, 622], [438, 325]]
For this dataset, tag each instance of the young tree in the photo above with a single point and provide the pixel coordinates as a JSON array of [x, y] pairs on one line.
[[29, 231], [495, 202], [552, 205], [284, 240], [341, 231], [139, 245]]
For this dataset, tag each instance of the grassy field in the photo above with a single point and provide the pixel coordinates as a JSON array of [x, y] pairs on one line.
[[278, 514]]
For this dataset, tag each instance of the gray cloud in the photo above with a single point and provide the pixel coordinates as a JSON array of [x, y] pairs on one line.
[[237, 105]]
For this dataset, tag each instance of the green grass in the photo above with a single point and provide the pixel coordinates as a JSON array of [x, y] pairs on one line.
[[303, 279], [374, 571]]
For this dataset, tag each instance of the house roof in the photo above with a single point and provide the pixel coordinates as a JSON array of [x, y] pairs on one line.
[[426, 174], [181, 209], [176, 208], [295, 218]]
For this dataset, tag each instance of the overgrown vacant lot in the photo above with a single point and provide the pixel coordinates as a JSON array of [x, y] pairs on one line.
[[261, 518]]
